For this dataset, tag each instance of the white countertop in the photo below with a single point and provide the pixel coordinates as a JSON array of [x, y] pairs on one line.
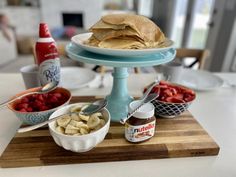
[[215, 110]]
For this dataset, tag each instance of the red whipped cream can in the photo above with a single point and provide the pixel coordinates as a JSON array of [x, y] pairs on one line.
[[47, 56]]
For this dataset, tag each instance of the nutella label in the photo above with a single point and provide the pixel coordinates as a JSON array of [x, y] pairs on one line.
[[49, 71], [139, 133]]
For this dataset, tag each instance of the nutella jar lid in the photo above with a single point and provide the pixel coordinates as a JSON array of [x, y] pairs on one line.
[[146, 111]]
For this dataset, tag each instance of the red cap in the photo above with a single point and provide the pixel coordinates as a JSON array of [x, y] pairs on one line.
[[44, 31]]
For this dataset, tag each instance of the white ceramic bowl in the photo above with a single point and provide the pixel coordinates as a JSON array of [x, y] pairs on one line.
[[80, 143]]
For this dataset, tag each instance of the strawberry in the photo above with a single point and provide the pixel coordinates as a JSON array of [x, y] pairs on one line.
[[58, 95], [45, 96], [53, 99], [188, 97], [179, 96], [43, 108], [40, 102], [29, 109], [173, 90], [25, 100], [162, 82], [191, 92], [168, 92], [40, 98], [23, 105], [37, 104], [23, 110], [173, 93]]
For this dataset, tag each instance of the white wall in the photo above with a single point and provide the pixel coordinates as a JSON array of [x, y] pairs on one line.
[[24, 19], [52, 10]]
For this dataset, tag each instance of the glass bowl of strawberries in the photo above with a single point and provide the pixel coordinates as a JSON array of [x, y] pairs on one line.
[[173, 99], [36, 108]]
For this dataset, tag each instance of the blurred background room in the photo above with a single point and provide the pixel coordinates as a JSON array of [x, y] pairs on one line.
[[195, 24]]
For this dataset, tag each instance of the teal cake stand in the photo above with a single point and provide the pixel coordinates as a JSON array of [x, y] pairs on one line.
[[119, 99]]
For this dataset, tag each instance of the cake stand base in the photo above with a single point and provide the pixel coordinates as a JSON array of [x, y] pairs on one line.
[[119, 98]]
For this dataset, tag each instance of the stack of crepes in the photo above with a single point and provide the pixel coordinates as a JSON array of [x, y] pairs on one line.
[[123, 31]]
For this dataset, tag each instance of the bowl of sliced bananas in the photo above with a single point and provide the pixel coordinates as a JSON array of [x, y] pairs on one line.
[[77, 132]]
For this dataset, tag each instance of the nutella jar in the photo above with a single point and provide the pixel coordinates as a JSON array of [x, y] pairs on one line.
[[141, 126]]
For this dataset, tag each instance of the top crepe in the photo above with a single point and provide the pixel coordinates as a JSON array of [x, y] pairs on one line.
[[125, 31]]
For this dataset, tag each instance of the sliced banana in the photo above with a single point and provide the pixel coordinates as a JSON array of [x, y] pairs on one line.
[[97, 127], [97, 114], [77, 134], [60, 129], [75, 117], [93, 122], [102, 122], [83, 117], [83, 131], [64, 121], [85, 126], [76, 108], [70, 129], [76, 123]]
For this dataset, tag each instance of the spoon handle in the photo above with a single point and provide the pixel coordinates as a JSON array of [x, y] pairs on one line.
[[149, 89], [14, 99], [33, 127], [148, 99], [123, 120]]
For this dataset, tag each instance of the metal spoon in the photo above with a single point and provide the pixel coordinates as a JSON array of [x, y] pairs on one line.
[[47, 88], [149, 89], [92, 108], [148, 99]]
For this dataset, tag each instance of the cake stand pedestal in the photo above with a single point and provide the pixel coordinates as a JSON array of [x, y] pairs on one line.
[[119, 99]]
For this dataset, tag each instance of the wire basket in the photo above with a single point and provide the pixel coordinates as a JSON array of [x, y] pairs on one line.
[[169, 110]]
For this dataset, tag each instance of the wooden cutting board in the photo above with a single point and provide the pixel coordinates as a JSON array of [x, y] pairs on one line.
[[178, 137]]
